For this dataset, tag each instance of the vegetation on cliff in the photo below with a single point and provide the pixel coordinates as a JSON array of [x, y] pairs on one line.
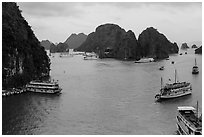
[[119, 43], [110, 40], [23, 58], [155, 44]]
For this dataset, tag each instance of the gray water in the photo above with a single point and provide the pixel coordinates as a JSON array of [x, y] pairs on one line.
[[104, 97]]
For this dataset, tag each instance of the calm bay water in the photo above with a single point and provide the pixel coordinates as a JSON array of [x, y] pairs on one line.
[[103, 97]]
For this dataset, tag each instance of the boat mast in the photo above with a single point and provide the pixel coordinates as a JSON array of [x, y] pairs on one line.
[[197, 110]]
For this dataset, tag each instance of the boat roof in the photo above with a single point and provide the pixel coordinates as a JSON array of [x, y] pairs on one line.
[[186, 108]]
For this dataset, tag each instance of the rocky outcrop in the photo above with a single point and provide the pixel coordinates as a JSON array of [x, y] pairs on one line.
[[75, 40], [46, 44], [194, 46], [23, 58], [61, 47], [198, 50], [184, 46], [110, 40], [156, 45]]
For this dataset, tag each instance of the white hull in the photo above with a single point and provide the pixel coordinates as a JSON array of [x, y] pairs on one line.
[[176, 95], [42, 90]]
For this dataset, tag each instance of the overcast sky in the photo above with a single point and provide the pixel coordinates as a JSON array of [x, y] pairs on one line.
[[179, 22]]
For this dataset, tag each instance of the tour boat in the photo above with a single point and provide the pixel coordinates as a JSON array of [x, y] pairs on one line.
[[188, 121], [195, 69], [90, 56], [43, 87], [145, 60], [176, 89]]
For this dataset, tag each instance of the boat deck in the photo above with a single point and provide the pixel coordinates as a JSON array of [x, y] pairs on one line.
[[190, 117]]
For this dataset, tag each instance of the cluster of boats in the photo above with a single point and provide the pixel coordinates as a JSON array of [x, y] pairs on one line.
[[188, 120], [13, 91]]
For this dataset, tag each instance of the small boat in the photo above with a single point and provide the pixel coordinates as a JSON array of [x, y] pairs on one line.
[[180, 53], [145, 60], [161, 68], [176, 89], [49, 87], [195, 69], [188, 121], [185, 52], [172, 62], [90, 56], [167, 58]]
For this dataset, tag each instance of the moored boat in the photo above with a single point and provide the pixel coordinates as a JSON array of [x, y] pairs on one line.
[[188, 121], [50, 87], [176, 89], [90, 56], [195, 69]]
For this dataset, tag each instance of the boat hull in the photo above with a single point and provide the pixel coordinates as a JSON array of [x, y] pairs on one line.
[[46, 91], [161, 97]]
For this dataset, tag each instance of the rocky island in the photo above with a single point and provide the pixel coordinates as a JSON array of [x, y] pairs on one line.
[[184, 46], [23, 58], [155, 44], [110, 40], [75, 40], [194, 46]]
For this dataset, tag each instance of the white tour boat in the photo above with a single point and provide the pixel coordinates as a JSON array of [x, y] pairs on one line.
[[43, 87], [176, 89], [188, 121]]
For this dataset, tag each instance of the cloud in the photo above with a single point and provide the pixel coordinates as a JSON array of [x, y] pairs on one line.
[[50, 9]]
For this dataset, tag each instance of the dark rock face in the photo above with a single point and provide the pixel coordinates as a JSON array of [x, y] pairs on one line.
[[23, 58], [198, 50], [61, 47], [110, 40], [74, 40], [155, 44], [46, 44], [194, 46], [184, 46]]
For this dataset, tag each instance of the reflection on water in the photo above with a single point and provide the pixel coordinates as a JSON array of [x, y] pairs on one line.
[[103, 97]]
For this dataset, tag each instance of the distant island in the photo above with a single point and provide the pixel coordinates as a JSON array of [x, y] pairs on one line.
[[72, 42], [23, 58], [46, 44], [184, 46], [112, 41], [75, 40], [194, 46]]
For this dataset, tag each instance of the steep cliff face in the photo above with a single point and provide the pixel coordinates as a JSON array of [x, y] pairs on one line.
[[75, 40], [122, 44], [155, 44], [198, 50], [23, 59]]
